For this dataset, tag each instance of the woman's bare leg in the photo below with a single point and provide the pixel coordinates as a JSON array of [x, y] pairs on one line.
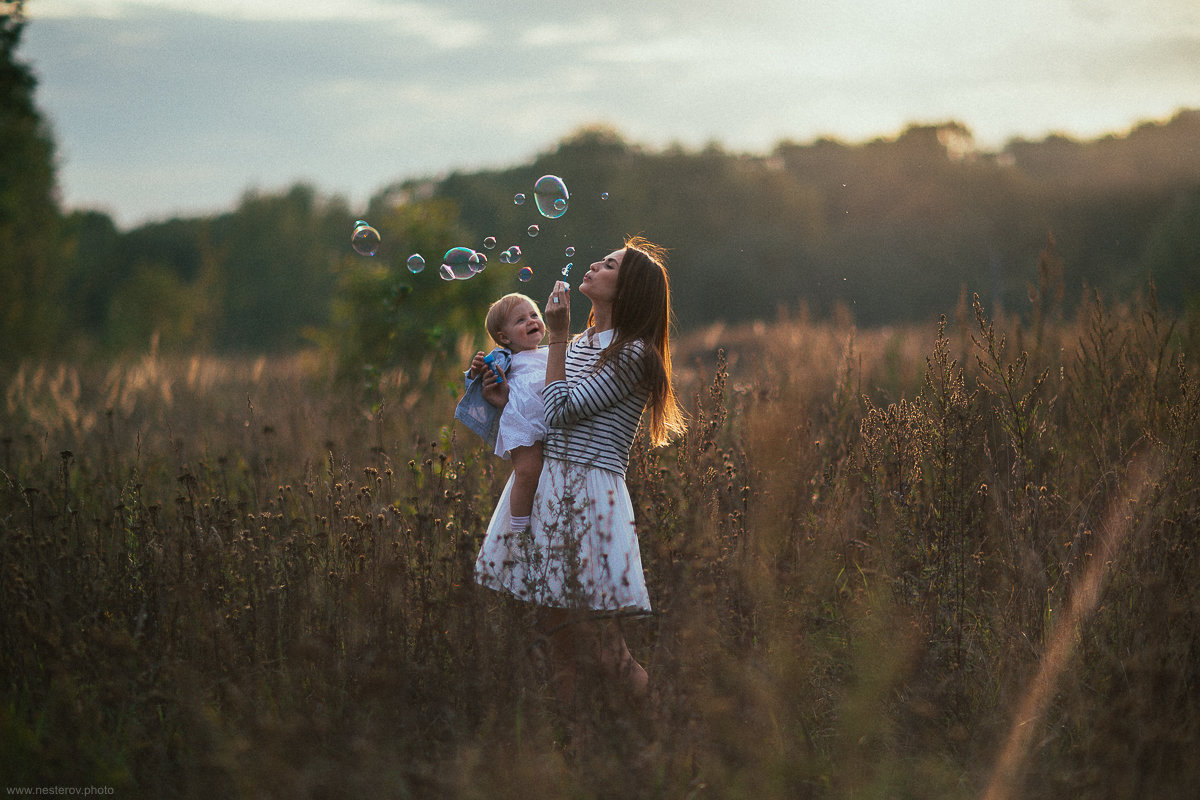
[[572, 639], [556, 625], [617, 659]]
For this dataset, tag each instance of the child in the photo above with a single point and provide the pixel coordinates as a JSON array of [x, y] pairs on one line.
[[514, 324]]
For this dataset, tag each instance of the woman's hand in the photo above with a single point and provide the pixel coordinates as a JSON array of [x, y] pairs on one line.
[[476, 365], [494, 392], [558, 328], [558, 313]]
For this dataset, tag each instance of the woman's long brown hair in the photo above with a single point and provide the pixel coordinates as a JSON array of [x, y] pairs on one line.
[[642, 310]]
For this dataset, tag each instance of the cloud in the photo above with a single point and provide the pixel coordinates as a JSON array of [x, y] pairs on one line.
[[427, 21], [246, 10], [354, 95]]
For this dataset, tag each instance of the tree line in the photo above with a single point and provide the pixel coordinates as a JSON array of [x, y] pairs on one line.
[[895, 229]]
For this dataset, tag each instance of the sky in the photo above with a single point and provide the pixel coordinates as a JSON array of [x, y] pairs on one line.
[[163, 108]]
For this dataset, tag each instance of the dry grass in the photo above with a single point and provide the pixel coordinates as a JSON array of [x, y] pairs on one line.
[[934, 562]]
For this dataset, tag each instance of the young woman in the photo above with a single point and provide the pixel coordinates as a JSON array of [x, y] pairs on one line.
[[580, 555]]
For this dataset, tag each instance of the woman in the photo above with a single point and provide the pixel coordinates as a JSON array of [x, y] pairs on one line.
[[580, 554]]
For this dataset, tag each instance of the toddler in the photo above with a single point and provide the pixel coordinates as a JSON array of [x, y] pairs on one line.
[[517, 431]]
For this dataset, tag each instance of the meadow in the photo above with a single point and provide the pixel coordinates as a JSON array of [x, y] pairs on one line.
[[953, 560]]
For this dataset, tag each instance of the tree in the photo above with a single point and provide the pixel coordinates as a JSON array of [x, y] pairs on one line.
[[384, 315], [1172, 252], [277, 254], [155, 306], [31, 279], [94, 274]]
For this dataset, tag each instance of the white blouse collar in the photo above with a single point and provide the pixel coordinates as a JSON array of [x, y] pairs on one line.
[[601, 339]]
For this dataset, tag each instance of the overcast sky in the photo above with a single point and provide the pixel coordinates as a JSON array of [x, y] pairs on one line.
[[164, 107]]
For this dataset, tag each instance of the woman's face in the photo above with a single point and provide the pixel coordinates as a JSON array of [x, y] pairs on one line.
[[599, 283]]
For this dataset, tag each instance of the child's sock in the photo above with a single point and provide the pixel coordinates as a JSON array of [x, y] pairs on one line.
[[518, 524]]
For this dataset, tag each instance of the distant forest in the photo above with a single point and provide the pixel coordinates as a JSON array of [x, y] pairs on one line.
[[890, 230]]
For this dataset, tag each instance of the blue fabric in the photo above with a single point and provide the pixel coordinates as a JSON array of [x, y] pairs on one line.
[[476, 413]]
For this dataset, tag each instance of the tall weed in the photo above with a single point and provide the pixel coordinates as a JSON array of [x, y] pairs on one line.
[[893, 563]]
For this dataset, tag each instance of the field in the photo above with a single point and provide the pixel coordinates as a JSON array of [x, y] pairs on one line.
[[955, 561]]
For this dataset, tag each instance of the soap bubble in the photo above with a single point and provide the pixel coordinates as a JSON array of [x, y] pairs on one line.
[[604, 195], [506, 257], [365, 240], [477, 262], [570, 251], [519, 199], [534, 230], [416, 263], [550, 195], [458, 261], [514, 254], [446, 273], [525, 274], [489, 242]]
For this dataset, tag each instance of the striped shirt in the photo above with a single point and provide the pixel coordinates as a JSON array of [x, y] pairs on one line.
[[592, 415]]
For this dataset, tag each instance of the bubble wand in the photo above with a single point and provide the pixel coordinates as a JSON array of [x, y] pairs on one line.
[[566, 271]]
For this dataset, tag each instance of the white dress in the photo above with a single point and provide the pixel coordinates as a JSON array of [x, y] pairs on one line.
[[581, 549], [523, 421]]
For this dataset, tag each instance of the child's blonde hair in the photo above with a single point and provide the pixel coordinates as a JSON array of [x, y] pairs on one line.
[[497, 315]]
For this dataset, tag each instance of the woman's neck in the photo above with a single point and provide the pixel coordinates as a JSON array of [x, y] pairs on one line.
[[601, 318]]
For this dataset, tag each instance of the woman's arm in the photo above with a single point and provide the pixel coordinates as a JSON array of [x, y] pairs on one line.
[[558, 326], [595, 392]]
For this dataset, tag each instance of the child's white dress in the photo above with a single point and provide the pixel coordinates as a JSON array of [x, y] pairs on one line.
[[523, 421]]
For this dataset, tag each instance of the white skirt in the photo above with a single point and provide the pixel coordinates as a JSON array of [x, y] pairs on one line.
[[581, 550]]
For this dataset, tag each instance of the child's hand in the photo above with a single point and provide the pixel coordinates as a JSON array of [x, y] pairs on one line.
[[476, 364], [494, 391]]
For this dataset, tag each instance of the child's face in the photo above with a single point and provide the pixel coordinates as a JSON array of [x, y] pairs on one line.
[[524, 329]]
